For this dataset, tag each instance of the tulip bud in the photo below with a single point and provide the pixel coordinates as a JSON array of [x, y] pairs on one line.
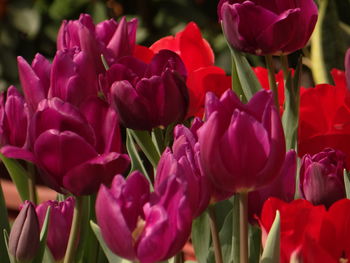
[[24, 236], [292, 21], [321, 177], [61, 215]]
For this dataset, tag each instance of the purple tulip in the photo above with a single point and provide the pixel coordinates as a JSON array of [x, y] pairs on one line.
[[60, 221], [112, 39], [242, 145], [278, 27], [35, 79], [66, 149], [73, 77], [282, 187], [24, 235], [321, 177], [14, 119], [138, 225], [147, 96]]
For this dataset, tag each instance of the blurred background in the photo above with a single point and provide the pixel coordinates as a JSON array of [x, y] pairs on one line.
[[30, 26]]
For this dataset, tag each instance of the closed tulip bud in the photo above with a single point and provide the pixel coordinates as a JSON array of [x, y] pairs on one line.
[[61, 215], [24, 236], [321, 177], [148, 96], [282, 26], [242, 146]]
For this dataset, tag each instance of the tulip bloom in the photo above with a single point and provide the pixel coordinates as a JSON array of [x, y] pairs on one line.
[[321, 177], [24, 235], [282, 26], [147, 96], [320, 129], [138, 225], [66, 149], [198, 58], [112, 39], [184, 162], [61, 215], [242, 145], [14, 121]]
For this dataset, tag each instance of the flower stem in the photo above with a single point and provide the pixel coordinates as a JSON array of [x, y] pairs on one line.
[[31, 183], [285, 67], [215, 235], [178, 258], [74, 231], [243, 226], [272, 79]]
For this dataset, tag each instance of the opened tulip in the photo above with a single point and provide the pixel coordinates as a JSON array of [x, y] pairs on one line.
[[267, 27], [112, 39], [66, 149], [24, 235], [321, 177], [14, 122], [35, 79], [184, 163], [198, 58], [242, 145], [60, 221], [138, 225], [148, 96]]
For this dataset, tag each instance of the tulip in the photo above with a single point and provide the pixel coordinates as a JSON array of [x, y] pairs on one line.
[[242, 145], [279, 27], [282, 187], [66, 150], [14, 121], [138, 225], [73, 77], [35, 79], [321, 177], [147, 96], [24, 235], [112, 39], [60, 221]]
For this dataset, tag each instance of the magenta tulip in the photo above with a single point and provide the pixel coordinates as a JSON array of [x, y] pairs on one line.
[[321, 177], [60, 221], [267, 27], [242, 145], [14, 121], [66, 149], [144, 226], [24, 236], [147, 96], [35, 79]]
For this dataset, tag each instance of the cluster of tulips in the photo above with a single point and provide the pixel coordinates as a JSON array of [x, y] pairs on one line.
[[149, 148]]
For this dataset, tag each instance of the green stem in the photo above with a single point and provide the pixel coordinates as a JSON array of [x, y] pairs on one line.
[[285, 67], [74, 231], [31, 183], [272, 78], [243, 226], [178, 258], [215, 234]]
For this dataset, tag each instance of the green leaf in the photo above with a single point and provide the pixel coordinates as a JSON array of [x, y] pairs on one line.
[[18, 175], [347, 184], [112, 258], [144, 140], [201, 237], [4, 225], [247, 79], [26, 20], [271, 253], [254, 244], [6, 239], [43, 235], [136, 161]]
